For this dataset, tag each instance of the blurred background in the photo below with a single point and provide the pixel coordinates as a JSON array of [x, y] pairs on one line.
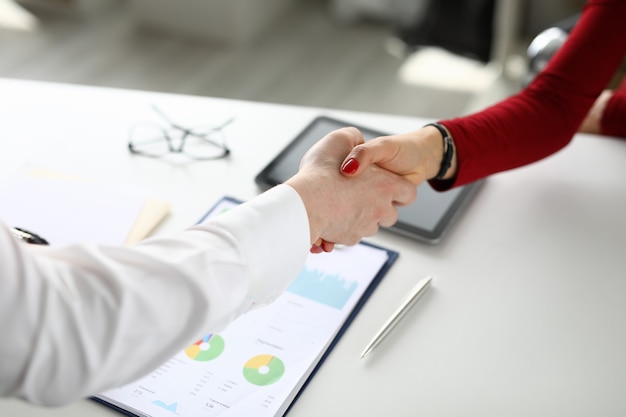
[[427, 58]]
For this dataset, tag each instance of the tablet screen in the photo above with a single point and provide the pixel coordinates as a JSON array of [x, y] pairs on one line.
[[427, 219]]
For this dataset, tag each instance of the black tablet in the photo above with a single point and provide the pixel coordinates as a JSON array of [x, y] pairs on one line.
[[427, 219]]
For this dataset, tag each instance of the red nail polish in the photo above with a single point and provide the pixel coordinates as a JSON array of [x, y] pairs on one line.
[[350, 166]]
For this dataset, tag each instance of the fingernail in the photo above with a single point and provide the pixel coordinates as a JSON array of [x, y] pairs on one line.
[[350, 166]]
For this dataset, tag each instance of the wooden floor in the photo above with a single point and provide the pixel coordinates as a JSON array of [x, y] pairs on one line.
[[307, 58]]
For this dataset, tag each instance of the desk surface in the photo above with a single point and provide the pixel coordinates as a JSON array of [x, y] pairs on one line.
[[526, 314]]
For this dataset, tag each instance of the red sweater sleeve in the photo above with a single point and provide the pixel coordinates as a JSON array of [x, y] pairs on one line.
[[543, 117]]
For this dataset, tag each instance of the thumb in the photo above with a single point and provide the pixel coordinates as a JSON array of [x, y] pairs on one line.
[[372, 152]]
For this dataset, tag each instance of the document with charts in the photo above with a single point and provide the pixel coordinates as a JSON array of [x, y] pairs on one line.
[[260, 362]]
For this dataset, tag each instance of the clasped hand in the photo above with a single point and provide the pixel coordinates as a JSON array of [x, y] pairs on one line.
[[344, 210]]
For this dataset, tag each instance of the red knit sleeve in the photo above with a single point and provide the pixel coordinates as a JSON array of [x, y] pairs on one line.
[[542, 118]]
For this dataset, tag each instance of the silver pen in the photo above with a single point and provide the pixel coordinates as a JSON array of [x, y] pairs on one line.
[[395, 318]]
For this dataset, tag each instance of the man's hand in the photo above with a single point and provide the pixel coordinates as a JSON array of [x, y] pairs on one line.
[[344, 210]]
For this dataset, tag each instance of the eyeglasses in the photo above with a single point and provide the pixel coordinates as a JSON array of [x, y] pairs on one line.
[[196, 143]]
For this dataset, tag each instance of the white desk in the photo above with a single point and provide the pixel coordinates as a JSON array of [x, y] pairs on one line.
[[526, 316]]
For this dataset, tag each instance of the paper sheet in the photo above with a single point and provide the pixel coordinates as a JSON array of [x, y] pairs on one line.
[[66, 209]]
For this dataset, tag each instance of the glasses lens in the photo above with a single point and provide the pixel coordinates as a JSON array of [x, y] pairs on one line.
[[205, 143], [149, 140]]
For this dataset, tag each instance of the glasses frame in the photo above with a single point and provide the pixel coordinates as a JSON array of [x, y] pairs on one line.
[[185, 133]]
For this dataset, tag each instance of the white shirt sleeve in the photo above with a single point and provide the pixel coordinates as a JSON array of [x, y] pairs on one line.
[[80, 319]]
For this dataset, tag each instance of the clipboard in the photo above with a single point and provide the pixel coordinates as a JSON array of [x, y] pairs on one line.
[[261, 363]]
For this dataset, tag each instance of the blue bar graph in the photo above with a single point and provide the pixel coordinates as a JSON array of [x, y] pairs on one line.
[[331, 290], [169, 407]]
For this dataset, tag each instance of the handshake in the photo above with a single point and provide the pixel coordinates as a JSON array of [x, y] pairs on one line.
[[344, 201]]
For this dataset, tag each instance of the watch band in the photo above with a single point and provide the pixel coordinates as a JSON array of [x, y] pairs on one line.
[[448, 150]]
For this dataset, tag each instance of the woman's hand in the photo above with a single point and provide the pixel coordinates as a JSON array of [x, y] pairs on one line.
[[593, 121], [415, 155]]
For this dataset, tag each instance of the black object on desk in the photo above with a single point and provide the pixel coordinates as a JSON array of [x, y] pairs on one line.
[[29, 237]]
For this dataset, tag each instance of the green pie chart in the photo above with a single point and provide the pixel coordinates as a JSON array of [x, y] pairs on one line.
[[263, 370], [206, 349]]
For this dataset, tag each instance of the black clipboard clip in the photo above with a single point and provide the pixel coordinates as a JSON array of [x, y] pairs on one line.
[[28, 237]]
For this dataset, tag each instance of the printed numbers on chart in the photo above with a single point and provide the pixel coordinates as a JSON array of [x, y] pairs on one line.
[[267, 402]]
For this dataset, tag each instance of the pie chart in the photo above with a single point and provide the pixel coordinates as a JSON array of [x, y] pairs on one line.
[[206, 349], [263, 370]]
